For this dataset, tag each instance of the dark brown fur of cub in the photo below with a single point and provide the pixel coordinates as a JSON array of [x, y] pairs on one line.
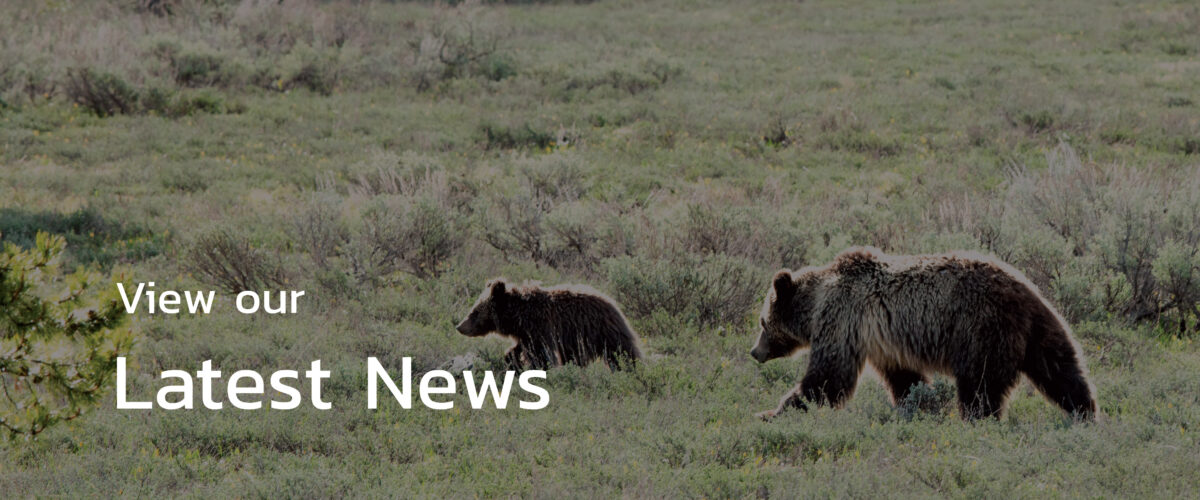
[[962, 314], [553, 326]]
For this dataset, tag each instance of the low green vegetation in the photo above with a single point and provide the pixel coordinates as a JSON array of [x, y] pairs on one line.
[[389, 158]]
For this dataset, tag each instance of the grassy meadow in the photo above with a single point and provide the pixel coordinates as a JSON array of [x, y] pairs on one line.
[[390, 158]]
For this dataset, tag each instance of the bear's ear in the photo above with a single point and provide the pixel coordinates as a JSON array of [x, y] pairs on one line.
[[783, 284], [498, 287]]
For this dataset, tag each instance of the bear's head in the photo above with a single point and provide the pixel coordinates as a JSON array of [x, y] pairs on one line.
[[482, 318], [784, 316]]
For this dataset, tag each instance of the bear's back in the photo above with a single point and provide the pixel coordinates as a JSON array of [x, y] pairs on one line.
[[920, 309], [569, 310]]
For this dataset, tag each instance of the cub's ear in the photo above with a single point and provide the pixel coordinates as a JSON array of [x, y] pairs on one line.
[[498, 287], [783, 283]]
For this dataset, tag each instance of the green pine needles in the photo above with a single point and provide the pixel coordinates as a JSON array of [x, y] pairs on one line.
[[60, 336]]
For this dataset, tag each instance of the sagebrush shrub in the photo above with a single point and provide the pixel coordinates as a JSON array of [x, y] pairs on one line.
[[319, 229], [224, 258], [161, 8], [463, 40], [1176, 270], [403, 214], [650, 74], [712, 290], [417, 235], [1128, 240], [411, 174], [584, 233], [1064, 198], [515, 226], [202, 101], [748, 233], [1116, 240], [544, 218]]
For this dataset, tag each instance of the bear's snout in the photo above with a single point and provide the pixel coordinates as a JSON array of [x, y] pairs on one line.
[[758, 355], [462, 327]]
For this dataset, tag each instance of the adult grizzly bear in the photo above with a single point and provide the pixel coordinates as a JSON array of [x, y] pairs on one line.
[[553, 326], [961, 314]]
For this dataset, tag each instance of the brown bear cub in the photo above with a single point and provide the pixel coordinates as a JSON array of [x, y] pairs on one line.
[[553, 326], [961, 314]]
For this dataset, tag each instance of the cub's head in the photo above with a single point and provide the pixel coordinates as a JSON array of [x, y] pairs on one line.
[[784, 316], [482, 318]]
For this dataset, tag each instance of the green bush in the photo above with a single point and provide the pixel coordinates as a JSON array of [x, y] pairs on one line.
[[936, 399], [157, 100], [513, 137], [1185, 145], [161, 8], [203, 101], [102, 93], [1176, 269], [498, 67], [1178, 102], [1037, 121], [186, 178], [197, 69], [317, 70], [861, 142], [91, 238]]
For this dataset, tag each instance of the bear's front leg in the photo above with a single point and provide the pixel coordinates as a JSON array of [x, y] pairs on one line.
[[538, 356], [514, 359], [792, 400], [830, 380]]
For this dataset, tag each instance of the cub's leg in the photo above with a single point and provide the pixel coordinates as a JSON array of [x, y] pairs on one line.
[[1053, 366], [900, 382], [831, 378]]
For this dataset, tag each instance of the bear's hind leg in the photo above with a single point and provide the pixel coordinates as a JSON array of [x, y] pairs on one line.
[[900, 382], [540, 356], [982, 393], [1053, 367]]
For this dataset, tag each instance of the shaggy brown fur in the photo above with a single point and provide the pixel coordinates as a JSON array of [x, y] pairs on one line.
[[553, 326], [961, 314]]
